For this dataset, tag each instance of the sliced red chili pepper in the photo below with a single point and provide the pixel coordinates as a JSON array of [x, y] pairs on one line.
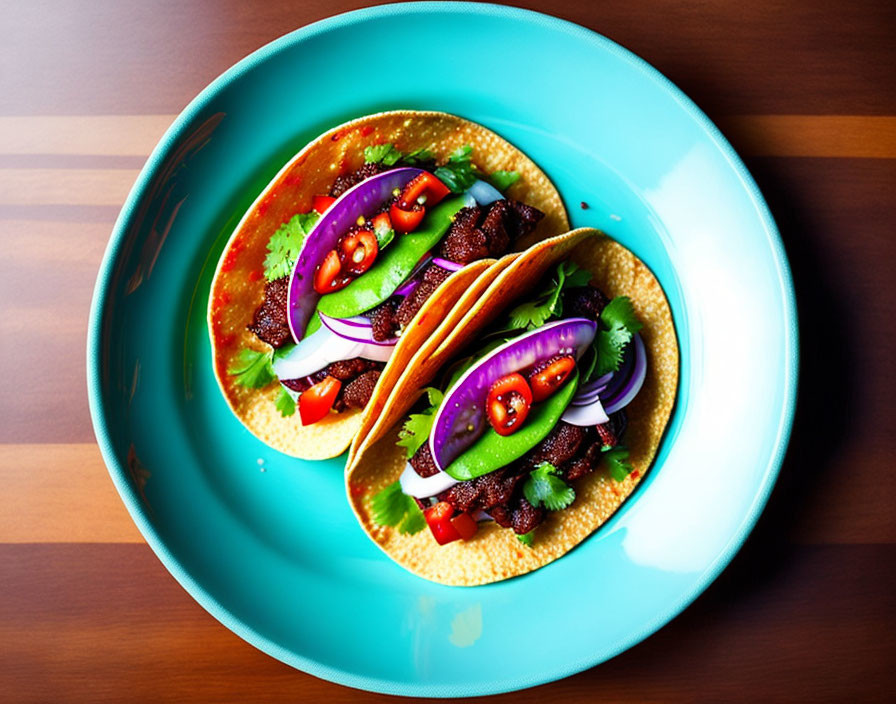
[[381, 224], [424, 189], [359, 250], [406, 220], [316, 402], [328, 277], [508, 403], [438, 518], [547, 380], [321, 203], [465, 525]]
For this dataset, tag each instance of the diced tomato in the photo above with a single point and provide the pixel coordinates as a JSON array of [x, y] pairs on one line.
[[546, 381], [465, 525], [406, 220], [321, 203], [438, 518], [424, 189], [316, 402], [328, 277], [381, 224], [359, 251], [508, 403]]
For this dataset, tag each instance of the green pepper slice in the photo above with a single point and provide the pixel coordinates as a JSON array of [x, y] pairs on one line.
[[492, 451], [393, 267]]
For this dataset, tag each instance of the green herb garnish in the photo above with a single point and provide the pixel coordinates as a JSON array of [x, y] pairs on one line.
[[458, 173], [391, 507], [417, 427], [285, 243], [533, 314], [252, 369], [502, 180], [617, 462], [543, 486], [285, 403], [388, 155], [527, 538], [620, 323]]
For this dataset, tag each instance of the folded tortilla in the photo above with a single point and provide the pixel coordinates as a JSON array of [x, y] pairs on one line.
[[238, 288], [494, 553]]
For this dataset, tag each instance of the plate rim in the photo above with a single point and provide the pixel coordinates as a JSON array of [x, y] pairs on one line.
[[118, 471]]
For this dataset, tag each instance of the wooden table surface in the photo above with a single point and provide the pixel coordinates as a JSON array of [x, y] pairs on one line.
[[806, 92]]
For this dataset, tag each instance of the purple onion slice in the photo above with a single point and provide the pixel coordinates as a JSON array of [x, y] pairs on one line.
[[363, 199], [461, 419], [633, 385], [357, 329]]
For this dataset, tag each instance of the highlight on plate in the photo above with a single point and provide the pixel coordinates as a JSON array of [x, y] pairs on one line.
[[549, 411], [352, 257]]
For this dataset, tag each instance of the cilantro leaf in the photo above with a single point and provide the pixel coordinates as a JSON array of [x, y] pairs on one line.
[[285, 243], [502, 180], [534, 314], [417, 427], [252, 369], [617, 463], [285, 403], [619, 318], [382, 154], [392, 507], [458, 173], [388, 155], [527, 538], [544, 486], [529, 315]]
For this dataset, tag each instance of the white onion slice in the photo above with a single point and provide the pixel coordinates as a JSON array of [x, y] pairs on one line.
[[320, 349], [592, 414], [419, 487], [484, 193]]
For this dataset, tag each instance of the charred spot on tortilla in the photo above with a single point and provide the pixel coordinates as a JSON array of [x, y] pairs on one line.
[[340, 259]]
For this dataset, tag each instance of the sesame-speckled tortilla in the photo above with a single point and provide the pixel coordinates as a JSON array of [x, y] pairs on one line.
[[494, 553], [238, 285]]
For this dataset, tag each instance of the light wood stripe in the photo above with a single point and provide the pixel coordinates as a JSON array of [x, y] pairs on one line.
[[60, 494], [65, 186], [120, 135], [754, 135]]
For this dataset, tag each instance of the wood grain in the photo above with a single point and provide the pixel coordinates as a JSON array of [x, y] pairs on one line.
[[806, 611], [107, 623]]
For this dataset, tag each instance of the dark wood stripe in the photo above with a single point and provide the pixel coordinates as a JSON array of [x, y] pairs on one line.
[[71, 610], [767, 57], [70, 161]]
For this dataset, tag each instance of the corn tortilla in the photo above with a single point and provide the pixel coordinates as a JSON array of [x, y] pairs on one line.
[[238, 285], [494, 553]]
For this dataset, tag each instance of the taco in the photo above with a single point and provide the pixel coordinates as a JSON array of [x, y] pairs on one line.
[[546, 410], [352, 257]]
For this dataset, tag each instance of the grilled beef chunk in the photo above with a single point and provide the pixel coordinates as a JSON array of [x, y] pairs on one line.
[[358, 377], [433, 277], [346, 181], [525, 517], [487, 231], [484, 492], [384, 321], [560, 446], [423, 463], [270, 322], [583, 302], [357, 393]]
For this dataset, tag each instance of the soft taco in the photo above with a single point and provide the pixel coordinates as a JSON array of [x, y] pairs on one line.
[[547, 408], [352, 257]]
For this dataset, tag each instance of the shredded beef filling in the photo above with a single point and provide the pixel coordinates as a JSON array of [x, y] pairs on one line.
[[384, 321], [488, 231], [423, 463], [433, 276], [358, 377], [270, 322], [346, 181]]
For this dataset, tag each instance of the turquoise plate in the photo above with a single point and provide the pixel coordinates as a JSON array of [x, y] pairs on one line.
[[267, 544]]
